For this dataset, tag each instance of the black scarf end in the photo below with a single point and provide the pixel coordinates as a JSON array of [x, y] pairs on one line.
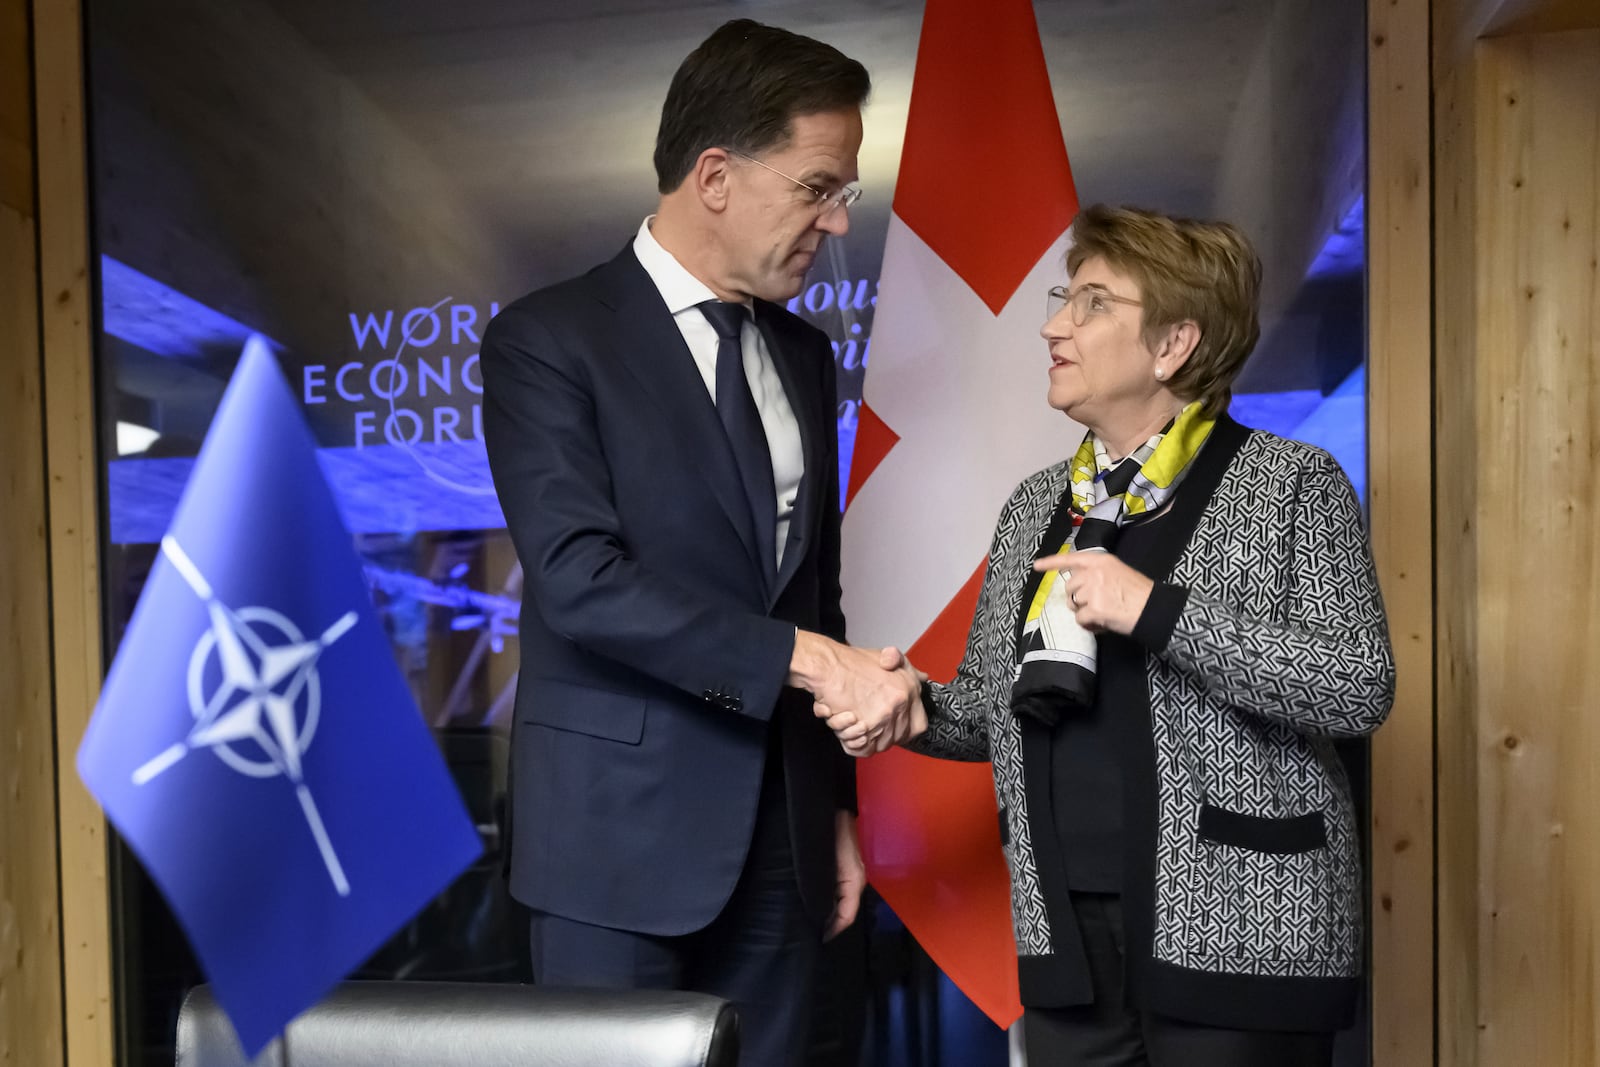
[[1047, 702]]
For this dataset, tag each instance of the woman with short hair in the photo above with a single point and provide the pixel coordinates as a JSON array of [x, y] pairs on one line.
[[1175, 625]]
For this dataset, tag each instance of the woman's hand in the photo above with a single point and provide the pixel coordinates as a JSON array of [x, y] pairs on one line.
[[1105, 592], [854, 737]]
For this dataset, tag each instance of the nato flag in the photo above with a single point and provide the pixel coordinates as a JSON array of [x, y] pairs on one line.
[[255, 743]]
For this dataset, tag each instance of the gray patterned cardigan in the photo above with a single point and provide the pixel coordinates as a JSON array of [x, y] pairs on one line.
[[1267, 641]]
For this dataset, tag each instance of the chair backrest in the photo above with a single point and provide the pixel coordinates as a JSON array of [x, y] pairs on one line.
[[459, 1024]]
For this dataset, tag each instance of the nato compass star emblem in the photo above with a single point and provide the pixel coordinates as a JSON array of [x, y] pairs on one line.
[[266, 692]]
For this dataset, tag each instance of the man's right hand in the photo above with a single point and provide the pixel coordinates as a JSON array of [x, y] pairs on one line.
[[872, 686], [852, 736]]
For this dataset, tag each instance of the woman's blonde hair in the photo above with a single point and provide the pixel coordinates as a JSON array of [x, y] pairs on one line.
[[1186, 269]]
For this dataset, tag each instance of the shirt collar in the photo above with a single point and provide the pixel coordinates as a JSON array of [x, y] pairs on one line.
[[680, 289]]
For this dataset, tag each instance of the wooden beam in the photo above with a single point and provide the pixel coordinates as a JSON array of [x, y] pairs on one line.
[[30, 943], [1455, 27], [1400, 284], [67, 316]]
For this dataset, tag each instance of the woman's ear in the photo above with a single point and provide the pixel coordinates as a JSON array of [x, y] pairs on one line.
[[1181, 341]]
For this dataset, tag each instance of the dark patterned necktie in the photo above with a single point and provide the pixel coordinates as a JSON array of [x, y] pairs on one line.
[[741, 420]]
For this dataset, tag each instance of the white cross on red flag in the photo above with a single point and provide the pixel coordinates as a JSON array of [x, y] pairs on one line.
[[953, 417]]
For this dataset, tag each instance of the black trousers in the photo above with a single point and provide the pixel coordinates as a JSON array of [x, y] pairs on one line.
[[760, 952], [1111, 1033]]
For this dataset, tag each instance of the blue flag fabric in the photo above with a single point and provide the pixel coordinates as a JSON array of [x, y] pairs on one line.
[[255, 743]]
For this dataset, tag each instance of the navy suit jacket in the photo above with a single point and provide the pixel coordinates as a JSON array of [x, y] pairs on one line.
[[653, 652]]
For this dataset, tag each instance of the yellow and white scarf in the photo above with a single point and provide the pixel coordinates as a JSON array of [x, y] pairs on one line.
[[1056, 656]]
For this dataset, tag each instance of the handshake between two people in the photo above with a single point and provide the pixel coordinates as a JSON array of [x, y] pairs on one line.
[[870, 698]]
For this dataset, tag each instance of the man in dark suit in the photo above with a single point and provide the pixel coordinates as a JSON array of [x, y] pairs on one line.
[[662, 436]]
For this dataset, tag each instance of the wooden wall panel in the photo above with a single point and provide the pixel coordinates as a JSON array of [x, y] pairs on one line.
[[30, 943], [66, 318], [1517, 551], [1399, 367], [1538, 570], [1456, 544], [30, 971]]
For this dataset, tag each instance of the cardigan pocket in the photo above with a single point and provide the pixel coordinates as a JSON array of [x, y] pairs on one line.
[[1299, 833], [1262, 893]]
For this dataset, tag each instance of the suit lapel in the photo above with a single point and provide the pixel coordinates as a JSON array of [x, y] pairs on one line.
[[787, 358], [651, 347]]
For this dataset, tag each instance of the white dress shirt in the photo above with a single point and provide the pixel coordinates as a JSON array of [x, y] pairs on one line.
[[683, 292]]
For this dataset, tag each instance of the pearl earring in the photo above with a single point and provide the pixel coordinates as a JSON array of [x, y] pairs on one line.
[[1160, 374]]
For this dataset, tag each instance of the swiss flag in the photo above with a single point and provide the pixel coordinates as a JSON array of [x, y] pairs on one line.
[[954, 416]]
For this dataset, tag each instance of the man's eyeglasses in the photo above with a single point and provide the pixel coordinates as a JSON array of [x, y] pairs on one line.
[[1085, 303], [825, 201]]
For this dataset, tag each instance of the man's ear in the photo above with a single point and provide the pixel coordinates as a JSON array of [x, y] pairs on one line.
[[710, 177]]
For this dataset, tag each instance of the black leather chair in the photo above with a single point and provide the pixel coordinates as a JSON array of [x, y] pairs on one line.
[[460, 1024]]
